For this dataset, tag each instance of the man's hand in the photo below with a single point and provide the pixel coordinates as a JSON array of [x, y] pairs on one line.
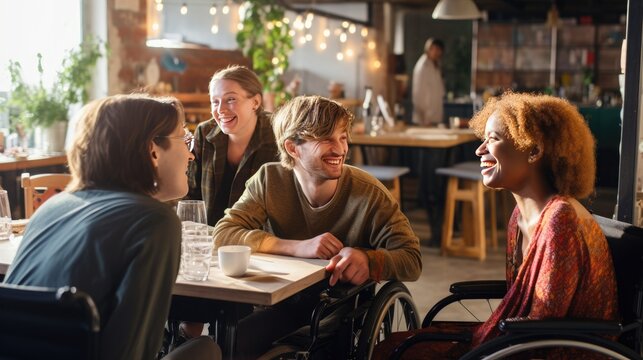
[[323, 246], [350, 265]]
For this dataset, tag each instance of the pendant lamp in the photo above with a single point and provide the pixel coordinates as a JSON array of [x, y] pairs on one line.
[[456, 10]]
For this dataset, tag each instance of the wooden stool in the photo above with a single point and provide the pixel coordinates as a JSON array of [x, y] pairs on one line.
[[389, 176], [465, 185]]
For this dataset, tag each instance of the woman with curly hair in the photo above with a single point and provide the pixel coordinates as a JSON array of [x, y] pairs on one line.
[[558, 261]]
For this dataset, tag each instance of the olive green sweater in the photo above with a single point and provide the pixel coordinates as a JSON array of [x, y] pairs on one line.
[[362, 214]]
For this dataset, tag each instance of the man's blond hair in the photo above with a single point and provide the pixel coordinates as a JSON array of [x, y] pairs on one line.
[[308, 118]]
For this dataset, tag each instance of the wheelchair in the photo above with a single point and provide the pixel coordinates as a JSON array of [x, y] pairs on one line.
[[350, 321], [616, 340]]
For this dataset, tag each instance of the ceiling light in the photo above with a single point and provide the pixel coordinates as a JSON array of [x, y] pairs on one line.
[[456, 10]]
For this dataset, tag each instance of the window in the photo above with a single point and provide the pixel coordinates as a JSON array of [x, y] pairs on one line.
[[29, 27]]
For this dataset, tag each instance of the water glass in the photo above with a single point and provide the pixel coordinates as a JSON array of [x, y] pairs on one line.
[[198, 255], [5, 216], [195, 260]]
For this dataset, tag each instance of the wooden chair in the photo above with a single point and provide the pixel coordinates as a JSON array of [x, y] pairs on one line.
[[465, 185], [47, 323], [389, 176], [39, 188]]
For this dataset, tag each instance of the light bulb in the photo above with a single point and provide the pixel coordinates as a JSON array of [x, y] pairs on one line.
[[275, 60], [213, 9], [270, 25], [159, 7], [240, 26], [309, 37], [155, 26], [343, 37], [184, 9], [292, 33], [302, 40], [225, 9], [352, 28], [364, 32], [322, 46], [340, 56], [326, 32], [377, 64], [345, 24], [371, 45], [214, 29], [350, 52], [286, 20]]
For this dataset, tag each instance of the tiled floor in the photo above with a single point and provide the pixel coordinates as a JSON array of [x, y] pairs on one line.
[[439, 272]]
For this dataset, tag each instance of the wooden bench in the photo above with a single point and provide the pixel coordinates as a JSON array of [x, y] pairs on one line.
[[389, 176]]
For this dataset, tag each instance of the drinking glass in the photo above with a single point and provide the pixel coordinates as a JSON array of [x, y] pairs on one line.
[[5, 216], [196, 244]]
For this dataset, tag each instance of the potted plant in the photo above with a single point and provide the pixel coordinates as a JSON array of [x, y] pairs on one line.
[[265, 38], [45, 109]]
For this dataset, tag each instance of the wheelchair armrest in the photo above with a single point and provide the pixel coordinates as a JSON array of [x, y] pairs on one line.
[[344, 290], [561, 326], [483, 287], [426, 337]]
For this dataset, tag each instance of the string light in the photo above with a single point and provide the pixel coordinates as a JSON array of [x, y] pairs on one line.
[[371, 45], [352, 28], [377, 64], [225, 9], [340, 56], [364, 32], [326, 32], [213, 9], [322, 46], [184, 9], [159, 7], [343, 37]]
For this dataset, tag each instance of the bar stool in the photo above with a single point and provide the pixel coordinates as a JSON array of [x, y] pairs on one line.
[[389, 176], [465, 185]]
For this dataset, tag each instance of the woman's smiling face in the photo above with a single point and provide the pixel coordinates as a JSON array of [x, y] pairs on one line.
[[232, 108], [503, 164]]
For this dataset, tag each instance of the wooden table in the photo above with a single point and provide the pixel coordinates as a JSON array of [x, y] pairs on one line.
[[32, 161], [417, 137], [270, 279]]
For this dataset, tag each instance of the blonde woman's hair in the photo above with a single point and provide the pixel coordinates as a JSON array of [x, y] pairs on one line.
[[243, 76], [308, 118]]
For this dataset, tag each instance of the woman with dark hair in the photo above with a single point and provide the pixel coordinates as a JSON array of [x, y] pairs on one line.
[[110, 234], [559, 265]]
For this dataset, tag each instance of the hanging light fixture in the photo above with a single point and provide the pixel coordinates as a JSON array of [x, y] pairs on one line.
[[456, 10]]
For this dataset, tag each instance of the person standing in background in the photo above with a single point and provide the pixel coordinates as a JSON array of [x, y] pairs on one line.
[[428, 94], [428, 86]]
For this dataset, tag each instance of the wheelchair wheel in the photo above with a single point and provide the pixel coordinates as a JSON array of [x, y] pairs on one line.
[[392, 310], [502, 348]]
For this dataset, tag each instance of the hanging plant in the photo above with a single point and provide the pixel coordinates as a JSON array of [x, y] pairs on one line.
[[265, 38]]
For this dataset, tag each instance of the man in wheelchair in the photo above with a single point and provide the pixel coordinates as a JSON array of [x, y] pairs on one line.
[[312, 205], [558, 261]]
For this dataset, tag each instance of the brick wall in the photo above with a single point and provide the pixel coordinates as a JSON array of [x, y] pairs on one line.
[[129, 56]]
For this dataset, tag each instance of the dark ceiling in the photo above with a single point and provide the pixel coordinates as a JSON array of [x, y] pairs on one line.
[[601, 11]]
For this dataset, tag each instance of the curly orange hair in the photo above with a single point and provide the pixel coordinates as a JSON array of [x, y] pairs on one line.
[[569, 147]]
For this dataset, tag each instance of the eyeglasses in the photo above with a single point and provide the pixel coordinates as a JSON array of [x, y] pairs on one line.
[[188, 138]]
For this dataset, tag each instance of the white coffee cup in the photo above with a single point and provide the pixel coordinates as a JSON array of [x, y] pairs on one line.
[[234, 259]]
